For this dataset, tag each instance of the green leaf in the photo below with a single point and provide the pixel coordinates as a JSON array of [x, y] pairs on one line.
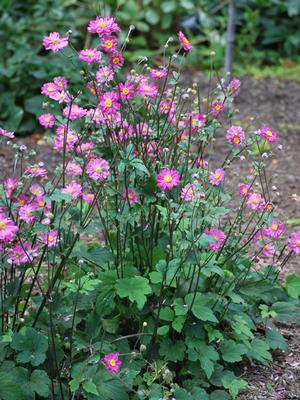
[[219, 395], [172, 351], [233, 384], [40, 382], [90, 387], [274, 338], [287, 311], [293, 286], [178, 323], [166, 314], [163, 330], [9, 387], [109, 387], [200, 308], [232, 351], [259, 351], [32, 347], [207, 355], [151, 16], [135, 289]]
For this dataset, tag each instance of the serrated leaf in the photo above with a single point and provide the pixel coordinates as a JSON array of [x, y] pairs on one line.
[[200, 307], [274, 338], [31, 347], [233, 384], [90, 387], [207, 355], [232, 351], [9, 388], [259, 351], [178, 323], [293, 286], [135, 288], [172, 351]]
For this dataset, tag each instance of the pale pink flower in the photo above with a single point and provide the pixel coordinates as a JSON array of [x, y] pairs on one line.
[[158, 73], [275, 229], [217, 177], [147, 89], [74, 112], [104, 26], [104, 74], [218, 236], [98, 169], [269, 250], [61, 82], [244, 189], [90, 55], [8, 229], [235, 135], [88, 197], [254, 201], [73, 189], [26, 213], [55, 42], [10, 185], [73, 168], [7, 134], [293, 242], [233, 88], [22, 253], [268, 134], [47, 120]]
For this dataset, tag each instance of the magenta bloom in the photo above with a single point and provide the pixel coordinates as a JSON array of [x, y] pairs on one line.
[[236, 136], [294, 242], [269, 250], [109, 44], [130, 196], [184, 41], [36, 171], [98, 169], [8, 229], [218, 236], [73, 168], [22, 253], [104, 26], [88, 197], [258, 238], [109, 103], [275, 229], [74, 112], [90, 55], [167, 107], [36, 190], [73, 189], [268, 134], [55, 42], [112, 362], [7, 134], [10, 185], [104, 74], [158, 73], [233, 88], [49, 89], [147, 89], [116, 60], [61, 82], [254, 201], [217, 108], [244, 189], [198, 121], [167, 179], [217, 177], [26, 213], [59, 142], [47, 120], [126, 90], [50, 238]]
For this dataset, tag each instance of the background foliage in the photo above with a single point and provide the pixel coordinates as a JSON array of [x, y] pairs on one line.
[[266, 33]]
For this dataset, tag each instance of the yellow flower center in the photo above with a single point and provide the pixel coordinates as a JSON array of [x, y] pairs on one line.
[[109, 44], [115, 60], [98, 169], [245, 190], [41, 203], [50, 238], [298, 243], [50, 89], [108, 103], [186, 40], [218, 107], [236, 140], [56, 40], [217, 175], [47, 119], [130, 196], [168, 178], [269, 133], [2, 225], [112, 362], [101, 24], [60, 84], [91, 53], [125, 91], [274, 227]]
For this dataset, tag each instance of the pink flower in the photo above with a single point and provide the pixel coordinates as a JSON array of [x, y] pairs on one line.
[[130, 196], [36, 171], [112, 362], [26, 213], [198, 121], [233, 88], [104, 26], [61, 82], [109, 103], [10, 185], [189, 192], [126, 90], [47, 120], [269, 250], [116, 60], [294, 242], [158, 73], [244, 189], [109, 44], [50, 238], [73, 168], [202, 163], [217, 108], [55, 42], [258, 238], [22, 253], [90, 55], [104, 74], [167, 179], [147, 89], [268, 134], [85, 147], [88, 197], [7, 134], [8, 229], [254, 201], [184, 41], [70, 138], [167, 107], [218, 236], [50, 89], [98, 169], [143, 129], [275, 229], [36, 190], [235, 135], [74, 112], [217, 177], [73, 189]]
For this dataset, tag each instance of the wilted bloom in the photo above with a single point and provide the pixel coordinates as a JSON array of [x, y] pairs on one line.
[[184, 41], [8, 229], [167, 179], [104, 74], [55, 42], [73, 189], [217, 108], [202, 163], [74, 112], [50, 238], [22, 253], [109, 44], [112, 362], [47, 120], [90, 55], [235, 135], [217, 177], [275, 229], [294, 242], [244, 189], [189, 192], [126, 90], [269, 250], [147, 89], [104, 26], [218, 236], [116, 60], [98, 169], [158, 73], [268, 134], [130, 196], [254, 201], [7, 134], [233, 88]]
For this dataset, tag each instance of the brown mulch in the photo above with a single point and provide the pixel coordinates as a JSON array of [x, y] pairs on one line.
[[274, 103]]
